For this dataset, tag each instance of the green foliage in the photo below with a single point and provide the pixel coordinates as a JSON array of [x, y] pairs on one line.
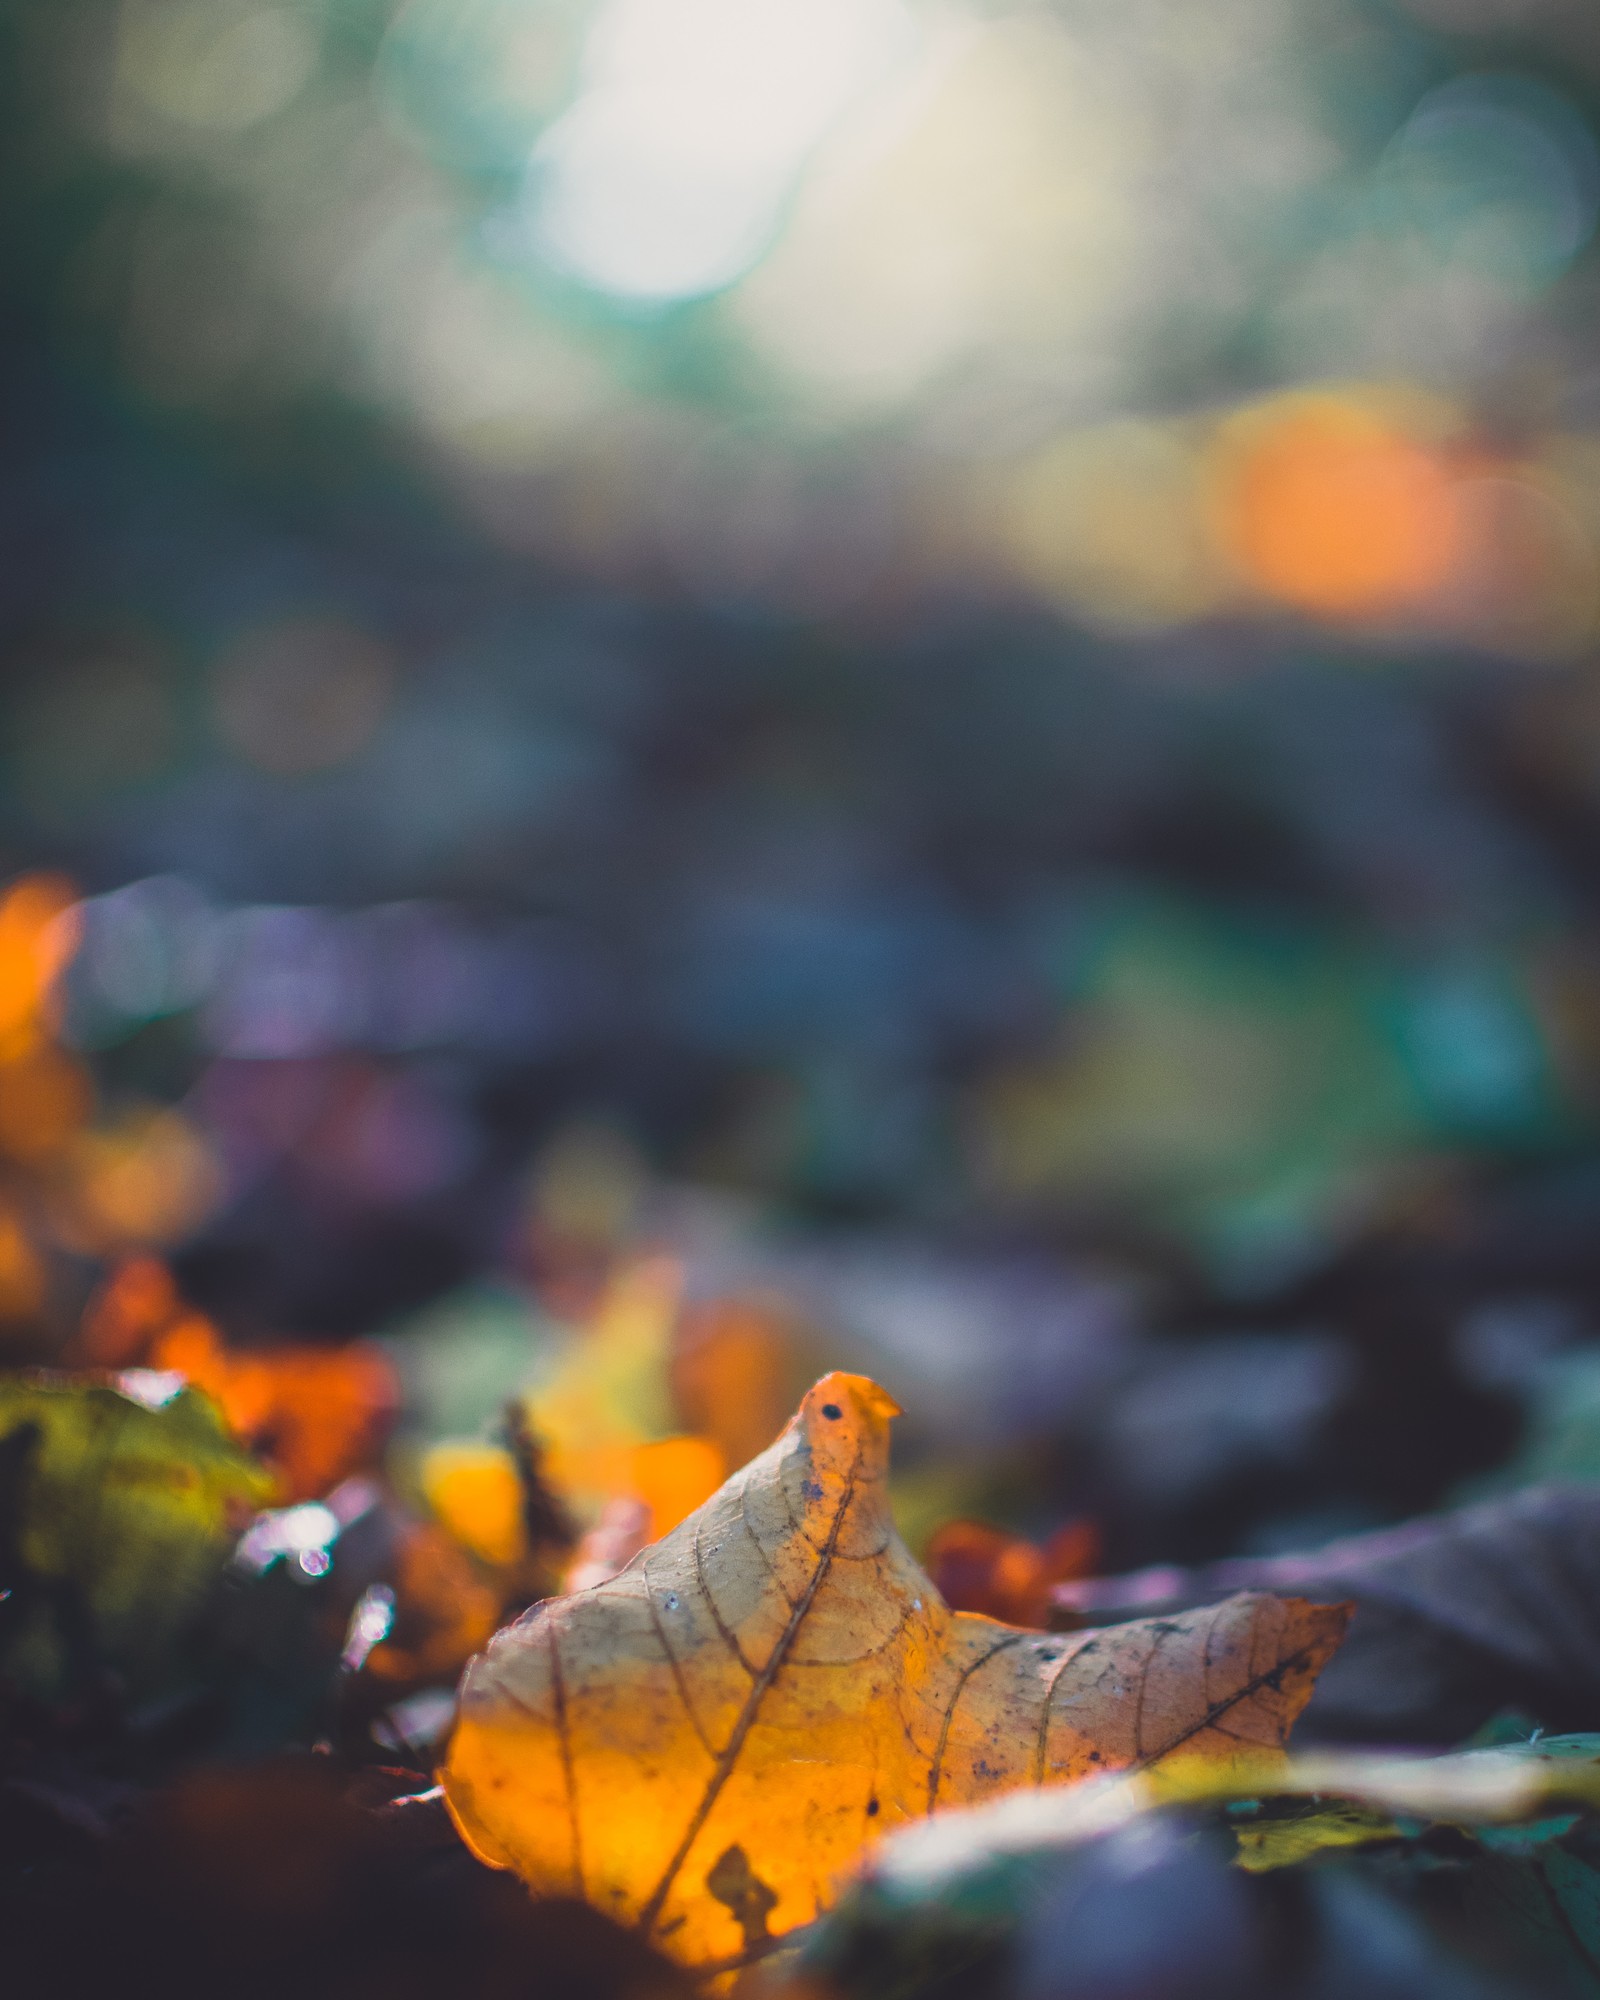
[[117, 1520]]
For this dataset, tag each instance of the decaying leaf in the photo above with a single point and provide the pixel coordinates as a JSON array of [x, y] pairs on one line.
[[705, 1745]]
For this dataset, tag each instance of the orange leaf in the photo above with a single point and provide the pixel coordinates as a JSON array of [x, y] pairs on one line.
[[39, 929], [730, 1372], [705, 1745], [673, 1476], [314, 1413], [45, 1096], [980, 1568], [475, 1493], [135, 1306]]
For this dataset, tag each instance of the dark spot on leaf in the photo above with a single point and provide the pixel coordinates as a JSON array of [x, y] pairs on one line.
[[736, 1885]]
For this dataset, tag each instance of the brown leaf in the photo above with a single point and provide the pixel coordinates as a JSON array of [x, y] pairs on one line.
[[705, 1745], [981, 1568]]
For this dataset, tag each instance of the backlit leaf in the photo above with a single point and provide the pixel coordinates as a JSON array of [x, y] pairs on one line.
[[706, 1745], [118, 1518]]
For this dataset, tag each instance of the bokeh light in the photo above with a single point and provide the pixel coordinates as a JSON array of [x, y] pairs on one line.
[[666, 177], [220, 68], [1328, 508], [1495, 171]]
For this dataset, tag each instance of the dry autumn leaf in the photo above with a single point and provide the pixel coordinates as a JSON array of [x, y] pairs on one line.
[[705, 1745]]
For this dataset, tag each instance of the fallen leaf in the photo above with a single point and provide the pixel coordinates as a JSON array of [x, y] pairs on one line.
[[732, 1374], [40, 928], [722, 1730], [315, 1414], [672, 1477], [24, 1277], [138, 1305], [114, 1521], [610, 1392], [45, 1097], [475, 1494], [1458, 1616]]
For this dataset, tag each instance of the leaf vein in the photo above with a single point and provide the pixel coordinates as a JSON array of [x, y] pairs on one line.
[[729, 1637], [936, 1768], [747, 1715], [564, 1734], [1267, 1678], [677, 1668]]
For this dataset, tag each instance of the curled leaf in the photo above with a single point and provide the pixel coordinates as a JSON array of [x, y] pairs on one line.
[[706, 1744]]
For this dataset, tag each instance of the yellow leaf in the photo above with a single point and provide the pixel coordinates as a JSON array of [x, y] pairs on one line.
[[611, 1392], [475, 1495], [705, 1745]]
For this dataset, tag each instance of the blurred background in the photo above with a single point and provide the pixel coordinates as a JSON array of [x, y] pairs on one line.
[[697, 688]]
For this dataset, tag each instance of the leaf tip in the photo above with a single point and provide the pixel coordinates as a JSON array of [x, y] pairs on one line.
[[837, 1397]]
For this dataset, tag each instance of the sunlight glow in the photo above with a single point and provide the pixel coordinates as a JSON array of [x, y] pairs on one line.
[[667, 177]]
